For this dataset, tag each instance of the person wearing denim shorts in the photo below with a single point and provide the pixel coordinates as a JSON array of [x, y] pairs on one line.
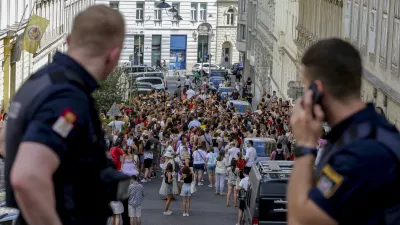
[[186, 192], [210, 162]]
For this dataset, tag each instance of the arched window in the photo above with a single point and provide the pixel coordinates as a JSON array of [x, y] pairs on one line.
[[230, 16]]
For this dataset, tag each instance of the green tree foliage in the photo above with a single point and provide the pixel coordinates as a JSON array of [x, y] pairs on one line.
[[111, 90]]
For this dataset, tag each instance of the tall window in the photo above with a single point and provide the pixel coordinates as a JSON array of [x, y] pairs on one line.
[[203, 12], [372, 26], [364, 26], [384, 32], [157, 13], [139, 10], [244, 5], [114, 5], [230, 16], [396, 38], [356, 9], [193, 12], [348, 19], [176, 6], [242, 32], [156, 50]]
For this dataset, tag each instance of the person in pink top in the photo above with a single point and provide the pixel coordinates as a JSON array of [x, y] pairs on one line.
[[116, 153]]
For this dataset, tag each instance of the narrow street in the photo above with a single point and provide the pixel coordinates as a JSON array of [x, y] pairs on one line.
[[206, 208]]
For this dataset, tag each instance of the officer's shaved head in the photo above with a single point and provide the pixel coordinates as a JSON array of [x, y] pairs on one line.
[[96, 40], [96, 29]]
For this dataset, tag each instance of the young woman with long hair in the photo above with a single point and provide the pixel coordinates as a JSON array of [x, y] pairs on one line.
[[210, 162], [220, 173], [232, 182], [186, 193], [168, 179]]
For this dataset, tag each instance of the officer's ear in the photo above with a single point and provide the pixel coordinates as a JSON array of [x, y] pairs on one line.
[[113, 55]]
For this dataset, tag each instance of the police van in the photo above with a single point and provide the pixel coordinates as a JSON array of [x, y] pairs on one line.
[[266, 195]]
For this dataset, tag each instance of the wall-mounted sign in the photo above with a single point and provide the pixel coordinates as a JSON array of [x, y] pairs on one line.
[[134, 31]]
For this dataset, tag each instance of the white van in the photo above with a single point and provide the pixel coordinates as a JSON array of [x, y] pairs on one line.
[[151, 74]]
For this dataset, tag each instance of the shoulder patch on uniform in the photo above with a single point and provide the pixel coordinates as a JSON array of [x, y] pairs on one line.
[[64, 124], [329, 181]]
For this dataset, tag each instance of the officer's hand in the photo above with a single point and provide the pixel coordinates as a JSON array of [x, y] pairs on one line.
[[306, 129]]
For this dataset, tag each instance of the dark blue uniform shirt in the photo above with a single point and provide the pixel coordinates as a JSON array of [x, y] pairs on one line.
[[358, 182], [62, 118], [58, 99]]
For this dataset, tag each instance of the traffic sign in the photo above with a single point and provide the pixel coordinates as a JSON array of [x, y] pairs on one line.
[[114, 111]]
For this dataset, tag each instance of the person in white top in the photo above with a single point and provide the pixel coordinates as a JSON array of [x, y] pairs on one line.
[[188, 82], [199, 160], [190, 93], [251, 154], [116, 125], [233, 152], [220, 173]]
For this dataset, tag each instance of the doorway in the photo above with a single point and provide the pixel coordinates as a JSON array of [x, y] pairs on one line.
[[226, 55]]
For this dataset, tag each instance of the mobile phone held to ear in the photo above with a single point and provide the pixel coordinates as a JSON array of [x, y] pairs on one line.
[[317, 96]]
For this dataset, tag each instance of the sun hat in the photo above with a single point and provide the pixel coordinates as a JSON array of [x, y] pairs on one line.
[[168, 154]]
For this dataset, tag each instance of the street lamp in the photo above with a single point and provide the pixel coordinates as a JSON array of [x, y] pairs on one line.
[[163, 5], [177, 17], [173, 10]]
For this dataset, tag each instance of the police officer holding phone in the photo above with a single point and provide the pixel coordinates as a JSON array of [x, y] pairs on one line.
[[56, 168], [358, 177]]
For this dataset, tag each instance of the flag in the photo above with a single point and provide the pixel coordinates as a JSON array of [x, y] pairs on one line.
[[34, 32]]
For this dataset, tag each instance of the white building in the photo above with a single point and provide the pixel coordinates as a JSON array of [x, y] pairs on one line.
[[285, 54], [266, 34], [14, 16], [226, 33], [153, 35], [374, 27]]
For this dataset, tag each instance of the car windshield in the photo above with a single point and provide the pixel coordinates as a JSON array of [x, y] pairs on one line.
[[242, 108], [152, 80], [263, 148], [222, 90], [138, 69], [206, 65], [142, 92]]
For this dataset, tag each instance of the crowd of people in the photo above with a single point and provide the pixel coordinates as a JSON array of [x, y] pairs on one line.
[[189, 137]]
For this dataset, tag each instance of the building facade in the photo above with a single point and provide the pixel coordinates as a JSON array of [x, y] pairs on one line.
[[373, 26], [14, 16], [154, 35], [227, 18], [284, 58], [266, 33]]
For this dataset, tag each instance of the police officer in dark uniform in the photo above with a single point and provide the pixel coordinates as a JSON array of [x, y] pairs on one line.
[[56, 169], [358, 177]]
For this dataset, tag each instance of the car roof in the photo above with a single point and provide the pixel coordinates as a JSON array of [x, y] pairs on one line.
[[259, 139], [146, 78], [148, 72], [239, 102]]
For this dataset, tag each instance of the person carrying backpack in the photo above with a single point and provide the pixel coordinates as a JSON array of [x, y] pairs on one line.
[[278, 154]]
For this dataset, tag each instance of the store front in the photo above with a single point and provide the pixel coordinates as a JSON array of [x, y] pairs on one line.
[[156, 50], [178, 52], [138, 50]]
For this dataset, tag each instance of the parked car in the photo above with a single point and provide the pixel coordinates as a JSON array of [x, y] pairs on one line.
[[158, 83], [206, 67], [240, 106], [136, 69], [216, 81], [150, 74], [237, 68]]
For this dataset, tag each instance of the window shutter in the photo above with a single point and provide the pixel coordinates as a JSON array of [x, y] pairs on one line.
[[372, 32], [347, 19], [364, 26]]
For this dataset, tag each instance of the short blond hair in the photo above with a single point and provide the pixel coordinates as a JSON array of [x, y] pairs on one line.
[[97, 28]]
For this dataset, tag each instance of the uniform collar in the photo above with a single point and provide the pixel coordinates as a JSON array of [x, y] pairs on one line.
[[68, 62], [365, 114]]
